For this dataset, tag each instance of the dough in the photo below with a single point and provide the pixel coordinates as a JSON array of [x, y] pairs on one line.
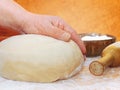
[[38, 58]]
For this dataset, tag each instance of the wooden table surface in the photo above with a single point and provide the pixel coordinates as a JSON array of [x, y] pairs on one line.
[[82, 81]]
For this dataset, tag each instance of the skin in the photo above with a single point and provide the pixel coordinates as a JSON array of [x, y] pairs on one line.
[[12, 15]]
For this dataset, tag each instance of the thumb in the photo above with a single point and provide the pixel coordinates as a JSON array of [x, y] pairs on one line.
[[60, 34]]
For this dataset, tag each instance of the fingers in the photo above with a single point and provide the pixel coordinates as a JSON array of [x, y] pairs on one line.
[[60, 34], [76, 38], [80, 43], [68, 34]]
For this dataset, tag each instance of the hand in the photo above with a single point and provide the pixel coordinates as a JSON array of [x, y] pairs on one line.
[[17, 18], [51, 26]]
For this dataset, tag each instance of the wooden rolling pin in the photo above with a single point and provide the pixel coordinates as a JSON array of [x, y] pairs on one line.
[[110, 58]]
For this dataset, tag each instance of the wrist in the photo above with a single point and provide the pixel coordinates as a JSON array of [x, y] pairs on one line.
[[21, 21], [20, 17], [12, 15]]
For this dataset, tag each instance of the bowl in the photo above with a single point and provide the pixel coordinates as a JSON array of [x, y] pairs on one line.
[[96, 42]]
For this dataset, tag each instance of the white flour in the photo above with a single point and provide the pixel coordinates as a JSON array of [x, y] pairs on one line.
[[89, 38]]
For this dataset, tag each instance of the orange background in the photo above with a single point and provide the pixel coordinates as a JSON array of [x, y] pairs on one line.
[[101, 16]]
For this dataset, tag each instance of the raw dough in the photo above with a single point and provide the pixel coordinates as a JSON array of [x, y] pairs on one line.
[[38, 58]]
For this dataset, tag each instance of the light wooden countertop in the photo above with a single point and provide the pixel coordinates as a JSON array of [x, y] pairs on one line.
[[82, 81]]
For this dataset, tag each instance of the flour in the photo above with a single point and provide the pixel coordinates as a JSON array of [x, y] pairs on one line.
[[89, 38]]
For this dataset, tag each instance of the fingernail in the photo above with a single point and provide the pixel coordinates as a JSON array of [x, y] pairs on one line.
[[65, 36]]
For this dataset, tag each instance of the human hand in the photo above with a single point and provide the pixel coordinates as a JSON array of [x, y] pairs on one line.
[[51, 26], [19, 19]]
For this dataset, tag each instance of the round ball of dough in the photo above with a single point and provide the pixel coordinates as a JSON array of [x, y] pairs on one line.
[[38, 58]]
